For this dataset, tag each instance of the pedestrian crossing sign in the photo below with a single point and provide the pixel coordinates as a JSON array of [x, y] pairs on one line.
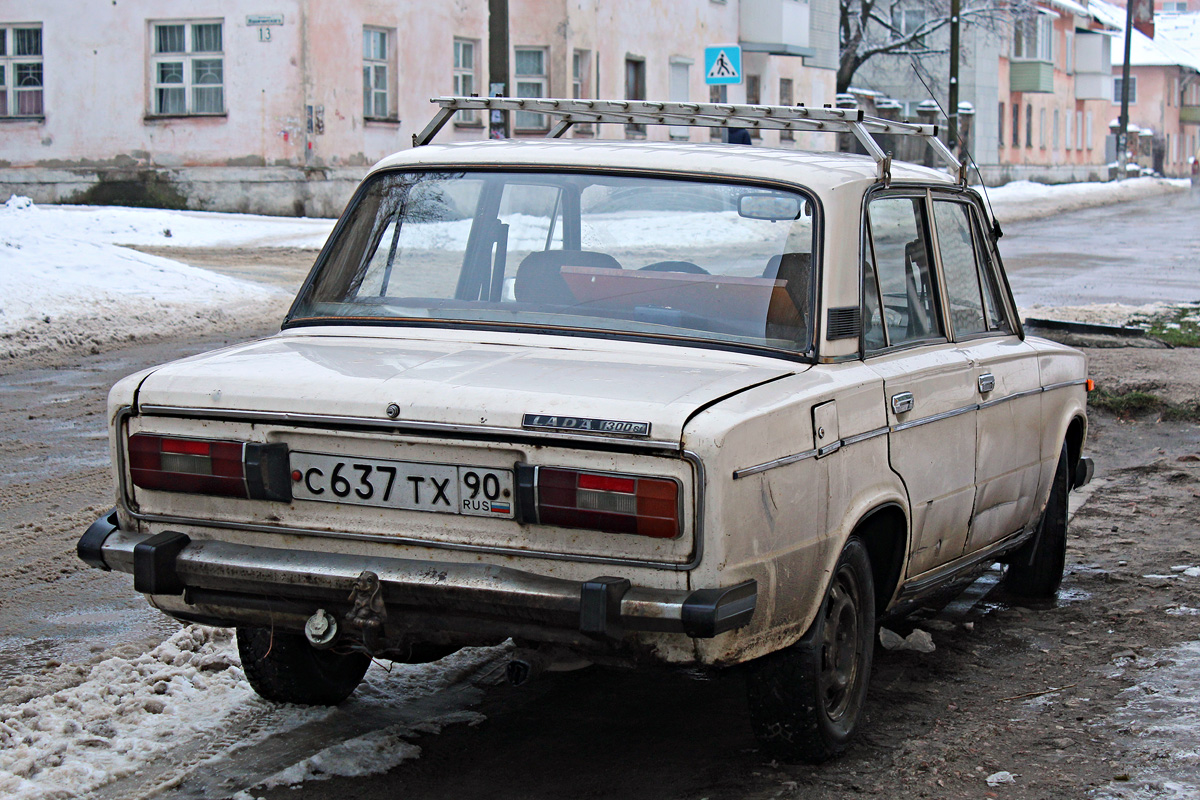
[[723, 64]]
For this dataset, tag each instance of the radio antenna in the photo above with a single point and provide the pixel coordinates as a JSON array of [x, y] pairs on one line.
[[996, 232]]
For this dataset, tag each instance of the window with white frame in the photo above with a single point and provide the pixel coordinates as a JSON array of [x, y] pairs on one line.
[[529, 70], [187, 65], [1069, 53], [1078, 130], [907, 20], [786, 98], [465, 82], [1068, 139], [1177, 7], [1042, 128], [1087, 141], [1118, 83], [377, 87], [1033, 38], [21, 78], [581, 81]]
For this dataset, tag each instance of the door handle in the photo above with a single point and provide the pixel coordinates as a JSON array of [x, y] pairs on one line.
[[902, 402], [987, 382]]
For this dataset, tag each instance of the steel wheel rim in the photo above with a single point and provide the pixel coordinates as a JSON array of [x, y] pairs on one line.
[[841, 648]]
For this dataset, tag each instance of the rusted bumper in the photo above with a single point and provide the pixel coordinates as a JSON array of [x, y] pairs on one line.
[[232, 584]]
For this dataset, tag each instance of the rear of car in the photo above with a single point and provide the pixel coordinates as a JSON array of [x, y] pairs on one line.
[[474, 423]]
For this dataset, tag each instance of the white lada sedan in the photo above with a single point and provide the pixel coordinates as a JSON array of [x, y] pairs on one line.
[[622, 402]]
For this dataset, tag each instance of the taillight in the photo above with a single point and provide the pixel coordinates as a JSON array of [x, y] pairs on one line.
[[601, 501], [209, 466]]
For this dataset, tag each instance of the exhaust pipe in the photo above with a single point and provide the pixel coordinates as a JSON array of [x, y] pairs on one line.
[[527, 664]]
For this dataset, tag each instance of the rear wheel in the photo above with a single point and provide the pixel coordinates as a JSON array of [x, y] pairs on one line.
[[285, 668], [1036, 568], [806, 700]]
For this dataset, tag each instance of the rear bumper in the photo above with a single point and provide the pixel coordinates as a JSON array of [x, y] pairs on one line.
[[231, 584]]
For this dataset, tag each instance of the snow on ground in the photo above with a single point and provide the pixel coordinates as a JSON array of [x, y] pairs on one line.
[[65, 286], [128, 712], [1021, 200]]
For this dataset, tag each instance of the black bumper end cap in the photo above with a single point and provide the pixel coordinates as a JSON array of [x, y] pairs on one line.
[[1083, 472], [708, 612], [600, 606], [154, 563], [90, 548]]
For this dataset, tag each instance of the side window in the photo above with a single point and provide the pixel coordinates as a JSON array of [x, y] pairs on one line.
[[902, 265], [960, 266]]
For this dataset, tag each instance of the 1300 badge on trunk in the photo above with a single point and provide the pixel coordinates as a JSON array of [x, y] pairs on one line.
[[475, 491]]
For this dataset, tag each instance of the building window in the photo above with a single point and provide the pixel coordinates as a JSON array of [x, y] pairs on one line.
[[21, 77], [581, 81], [188, 68], [678, 92], [376, 78], [786, 98], [754, 97], [1069, 53], [635, 88], [1029, 124], [464, 79], [1054, 140], [1088, 136], [1016, 126], [1179, 7], [1118, 83], [907, 21], [530, 72], [1068, 140], [1079, 130], [1042, 128], [1033, 38]]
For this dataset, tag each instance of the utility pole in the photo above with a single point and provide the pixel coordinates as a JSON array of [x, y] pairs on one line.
[[952, 111], [498, 127], [1123, 120]]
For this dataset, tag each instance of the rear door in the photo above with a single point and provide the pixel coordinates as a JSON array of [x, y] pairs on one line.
[[928, 381], [1005, 374]]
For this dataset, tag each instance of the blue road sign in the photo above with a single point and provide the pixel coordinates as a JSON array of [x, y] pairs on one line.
[[723, 64]]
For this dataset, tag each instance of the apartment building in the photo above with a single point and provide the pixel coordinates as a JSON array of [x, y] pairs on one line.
[[279, 107]]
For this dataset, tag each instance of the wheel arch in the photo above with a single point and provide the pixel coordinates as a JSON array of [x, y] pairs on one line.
[[1074, 438], [884, 531]]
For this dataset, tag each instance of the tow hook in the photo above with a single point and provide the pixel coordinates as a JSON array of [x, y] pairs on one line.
[[321, 629]]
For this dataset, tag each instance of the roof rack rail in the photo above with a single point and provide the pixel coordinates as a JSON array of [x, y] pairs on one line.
[[704, 115]]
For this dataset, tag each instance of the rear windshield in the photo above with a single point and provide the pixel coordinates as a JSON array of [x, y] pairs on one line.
[[571, 252]]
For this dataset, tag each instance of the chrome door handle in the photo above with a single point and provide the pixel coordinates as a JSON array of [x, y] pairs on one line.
[[987, 382], [902, 402]]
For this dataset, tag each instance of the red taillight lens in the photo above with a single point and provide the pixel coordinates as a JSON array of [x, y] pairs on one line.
[[201, 466], [605, 502]]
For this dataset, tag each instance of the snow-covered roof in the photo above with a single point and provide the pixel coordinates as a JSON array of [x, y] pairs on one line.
[[816, 170], [1176, 39]]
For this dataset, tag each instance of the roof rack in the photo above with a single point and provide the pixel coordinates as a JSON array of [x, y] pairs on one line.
[[704, 115]]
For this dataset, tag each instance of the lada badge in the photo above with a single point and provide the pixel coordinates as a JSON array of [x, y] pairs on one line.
[[608, 427]]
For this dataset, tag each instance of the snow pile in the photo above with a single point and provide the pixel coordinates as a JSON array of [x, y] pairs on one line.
[[63, 287], [1022, 200], [163, 228], [188, 691], [125, 712]]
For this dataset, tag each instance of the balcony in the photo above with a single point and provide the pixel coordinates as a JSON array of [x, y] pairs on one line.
[[1031, 76], [1093, 70], [1093, 87], [778, 27], [1189, 115]]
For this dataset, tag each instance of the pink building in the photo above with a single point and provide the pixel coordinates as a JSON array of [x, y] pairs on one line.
[[218, 105]]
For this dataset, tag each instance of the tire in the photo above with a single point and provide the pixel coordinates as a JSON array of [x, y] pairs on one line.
[[1035, 569], [285, 668], [806, 701]]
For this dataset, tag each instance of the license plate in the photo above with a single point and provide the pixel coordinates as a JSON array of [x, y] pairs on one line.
[[418, 486]]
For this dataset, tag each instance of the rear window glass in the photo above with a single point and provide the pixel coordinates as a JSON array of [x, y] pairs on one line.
[[568, 252]]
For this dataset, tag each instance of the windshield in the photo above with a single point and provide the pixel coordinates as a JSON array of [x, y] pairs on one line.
[[559, 252]]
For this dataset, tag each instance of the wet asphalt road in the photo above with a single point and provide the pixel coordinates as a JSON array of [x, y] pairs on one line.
[[1135, 253]]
